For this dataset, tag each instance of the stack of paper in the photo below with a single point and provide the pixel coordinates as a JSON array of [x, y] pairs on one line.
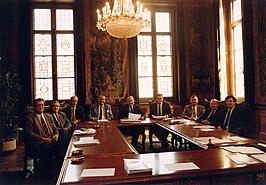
[[133, 166], [241, 159], [84, 131], [85, 141]]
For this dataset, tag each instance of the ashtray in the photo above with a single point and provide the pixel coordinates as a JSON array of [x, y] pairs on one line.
[[77, 159], [77, 152]]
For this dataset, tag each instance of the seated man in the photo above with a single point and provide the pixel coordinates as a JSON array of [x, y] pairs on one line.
[[62, 123], [211, 115], [125, 109], [234, 119], [42, 135], [100, 110], [74, 112], [193, 110], [160, 108]]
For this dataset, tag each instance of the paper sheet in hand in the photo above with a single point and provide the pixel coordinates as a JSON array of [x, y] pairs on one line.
[[181, 166], [132, 116], [98, 172]]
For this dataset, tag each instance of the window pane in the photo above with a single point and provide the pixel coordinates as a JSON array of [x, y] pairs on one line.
[[236, 10], [65, 66], [164, 66], [43, 67], [66, 88], [145, 87], [44, 89], [42, 44], [42, 19], [65, 44], [163, 45], [146, 29], [144, 45], [162, 22], [145, 66], [165, 86], [64, 19]]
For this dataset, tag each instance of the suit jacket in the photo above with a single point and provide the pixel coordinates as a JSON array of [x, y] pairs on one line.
[[62, 122], [79, 112], [34, 130], [94, 109], [239, 120], [124, 111], [214, 118], [166, 109], [187, 112]]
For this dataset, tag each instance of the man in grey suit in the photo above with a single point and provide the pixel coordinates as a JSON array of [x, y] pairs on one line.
[[42, 135], [62, 122], [100, 110], [193, 110]]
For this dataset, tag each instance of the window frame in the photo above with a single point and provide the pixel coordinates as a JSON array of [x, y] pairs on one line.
[[134, 87], [53, 32]]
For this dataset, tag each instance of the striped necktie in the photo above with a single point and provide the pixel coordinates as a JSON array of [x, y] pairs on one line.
[[45, 128]]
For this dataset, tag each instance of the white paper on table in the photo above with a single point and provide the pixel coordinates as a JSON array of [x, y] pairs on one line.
[[214, 140], [181, 166], [86, 139], [261, 157], [237, 138], [241, 159], [261, 144], [98, 172], [243, 149], [134, 116], [205, 127], [103, 121]]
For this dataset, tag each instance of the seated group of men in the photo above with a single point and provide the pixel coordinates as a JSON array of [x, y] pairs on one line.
[[49, 133]]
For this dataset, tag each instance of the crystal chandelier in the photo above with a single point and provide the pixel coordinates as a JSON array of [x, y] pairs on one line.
[[123, 21]]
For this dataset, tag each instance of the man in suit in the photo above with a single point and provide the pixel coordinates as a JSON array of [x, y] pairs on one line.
[[42, 135], [124, 110], [100, 110], [235, 118], [62, 122], [74, 112], [193, 110], [211, 115], [160, 108]]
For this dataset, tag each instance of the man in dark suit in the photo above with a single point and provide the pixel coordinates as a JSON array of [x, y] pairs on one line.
[[160, 108], [235, 118], [74, 112], [62, 123], [211, 115], [42, 135], [124, 110], [100, 110]]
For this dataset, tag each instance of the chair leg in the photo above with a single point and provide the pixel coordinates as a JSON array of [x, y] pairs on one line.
[[143, 140]]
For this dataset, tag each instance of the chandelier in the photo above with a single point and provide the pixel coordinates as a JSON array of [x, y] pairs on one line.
[[123, 21]]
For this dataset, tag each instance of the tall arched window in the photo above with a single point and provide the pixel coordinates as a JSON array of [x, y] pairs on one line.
[[53, 66]]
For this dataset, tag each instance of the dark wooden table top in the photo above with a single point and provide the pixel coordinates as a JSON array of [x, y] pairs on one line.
[[114, 148]]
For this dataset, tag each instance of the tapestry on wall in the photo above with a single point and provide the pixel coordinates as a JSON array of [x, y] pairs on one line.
[[109, 76]]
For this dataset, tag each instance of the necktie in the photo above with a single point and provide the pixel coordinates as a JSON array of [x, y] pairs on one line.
[[101, 112], [45, 128], [193, 114], [73, 114], [227, 119], [159, 111], [210, 114], [56, 119], [131, 109]]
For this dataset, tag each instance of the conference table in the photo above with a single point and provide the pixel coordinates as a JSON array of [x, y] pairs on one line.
[[209, 162]]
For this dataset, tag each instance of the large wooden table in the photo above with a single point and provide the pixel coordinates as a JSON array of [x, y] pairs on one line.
[[213, 162]]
